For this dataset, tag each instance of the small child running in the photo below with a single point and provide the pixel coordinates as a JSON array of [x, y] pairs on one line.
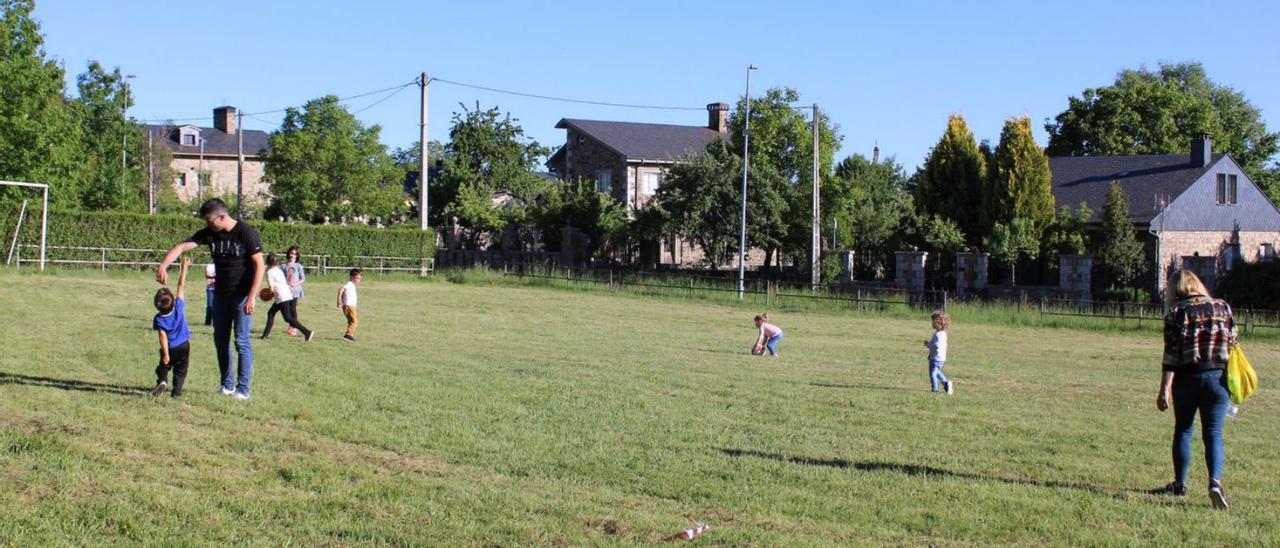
[[769, 337], [285, 301], [347, 301], [938, 352], [175, 336]]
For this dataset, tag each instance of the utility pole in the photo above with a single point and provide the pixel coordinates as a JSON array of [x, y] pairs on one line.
[[151, 177], [746, 161], [124, 151], [423, 205], [815, 258], [239, 164]]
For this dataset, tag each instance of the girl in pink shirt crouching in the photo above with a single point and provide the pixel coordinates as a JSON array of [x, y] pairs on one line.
[[769, 336]]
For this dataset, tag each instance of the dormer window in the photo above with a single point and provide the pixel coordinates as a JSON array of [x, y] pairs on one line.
[[1226, 189], [188, 136]]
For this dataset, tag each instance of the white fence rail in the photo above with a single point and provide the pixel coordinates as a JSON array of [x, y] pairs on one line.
[[103, 258]]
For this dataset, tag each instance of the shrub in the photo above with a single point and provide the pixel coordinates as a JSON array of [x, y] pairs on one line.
[[1252, 285]]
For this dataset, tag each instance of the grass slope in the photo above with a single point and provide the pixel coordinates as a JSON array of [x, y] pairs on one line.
[[475, 415]]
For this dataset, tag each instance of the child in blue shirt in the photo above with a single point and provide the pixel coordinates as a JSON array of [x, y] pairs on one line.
[[175, 337]]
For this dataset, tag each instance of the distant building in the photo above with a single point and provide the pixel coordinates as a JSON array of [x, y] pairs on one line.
[[204, 159], [1198, 211], [627, 160]]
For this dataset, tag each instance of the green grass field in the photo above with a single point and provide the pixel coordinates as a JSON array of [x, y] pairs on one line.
[[488, 415]]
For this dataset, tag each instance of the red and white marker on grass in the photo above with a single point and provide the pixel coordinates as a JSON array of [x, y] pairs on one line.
[[688, 534]]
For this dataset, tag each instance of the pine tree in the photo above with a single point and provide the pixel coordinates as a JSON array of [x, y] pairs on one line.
[[1121, 254], [1020, 184], [951, 182]]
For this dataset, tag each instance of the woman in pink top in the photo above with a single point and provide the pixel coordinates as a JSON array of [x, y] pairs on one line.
[[769, 336]]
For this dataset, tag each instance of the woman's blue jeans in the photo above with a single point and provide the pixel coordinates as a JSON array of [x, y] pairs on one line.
[[1204, 390]]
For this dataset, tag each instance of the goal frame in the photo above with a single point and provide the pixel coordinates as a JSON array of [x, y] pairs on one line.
[[44, 215]]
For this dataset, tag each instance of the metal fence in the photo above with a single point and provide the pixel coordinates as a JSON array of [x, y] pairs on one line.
[[102, 258], [764, 290], [1248, 320]]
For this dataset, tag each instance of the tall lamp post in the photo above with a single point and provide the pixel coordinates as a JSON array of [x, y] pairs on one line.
[[124, 152], [746, 150]]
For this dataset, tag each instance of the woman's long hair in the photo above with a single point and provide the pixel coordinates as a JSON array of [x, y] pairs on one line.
[[1184, 283]]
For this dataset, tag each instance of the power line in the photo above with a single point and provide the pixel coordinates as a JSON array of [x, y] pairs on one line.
[[340, 99], [565, 99]]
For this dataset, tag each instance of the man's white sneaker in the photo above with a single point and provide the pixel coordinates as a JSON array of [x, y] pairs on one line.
[[160, 388], [240, 396]]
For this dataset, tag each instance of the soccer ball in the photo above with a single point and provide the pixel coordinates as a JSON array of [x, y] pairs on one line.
[[267, 294], [757, 350]]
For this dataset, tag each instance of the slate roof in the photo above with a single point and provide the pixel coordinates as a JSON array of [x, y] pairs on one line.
[[1086, 179], [216, 142], [638, 141]]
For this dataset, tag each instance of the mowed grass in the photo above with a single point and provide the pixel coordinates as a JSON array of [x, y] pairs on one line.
[[480, 415]]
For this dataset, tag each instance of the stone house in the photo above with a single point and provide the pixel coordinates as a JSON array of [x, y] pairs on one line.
[[204, 158], [627, 160], [1198, 211]]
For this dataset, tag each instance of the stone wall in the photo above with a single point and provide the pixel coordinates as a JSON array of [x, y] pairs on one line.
[[221, 178], [972, 270], [1075, 275], [1174, 245], [909, 273], [586, 156]]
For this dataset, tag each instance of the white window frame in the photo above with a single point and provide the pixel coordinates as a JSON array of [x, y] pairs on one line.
[[604, 180], [649, 182]]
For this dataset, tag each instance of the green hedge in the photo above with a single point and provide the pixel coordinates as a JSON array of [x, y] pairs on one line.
[[1252, 285], [130, 230]]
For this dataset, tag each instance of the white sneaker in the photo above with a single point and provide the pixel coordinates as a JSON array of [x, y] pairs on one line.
[[228, 391], [311, 335], [160, 388], [1216, 496], [951, 388], [240, 396]]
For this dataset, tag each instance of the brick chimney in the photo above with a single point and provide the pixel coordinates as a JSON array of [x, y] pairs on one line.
[[718, 117], [1201, 151], [224, 119]]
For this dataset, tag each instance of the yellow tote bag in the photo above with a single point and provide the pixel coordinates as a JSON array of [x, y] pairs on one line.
[[1242, 380]]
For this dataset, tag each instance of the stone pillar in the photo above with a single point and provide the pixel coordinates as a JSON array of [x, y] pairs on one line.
[[511, 238], [971, 273], [453, 235], [1075, 275], [1204, 266], [570, 246], [846, 266], [909, 273]]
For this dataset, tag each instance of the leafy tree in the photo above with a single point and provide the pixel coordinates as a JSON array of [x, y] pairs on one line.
[[1067, 233], [870, 206], [39, 129], [1019, 185], [782, 153], [950, 184], [940, 234], [487, 152], [1160, 112], [106, 183], [1120, 251], [1009, 242], [407, 158], [324, 163], [579, 204], [699, 200]]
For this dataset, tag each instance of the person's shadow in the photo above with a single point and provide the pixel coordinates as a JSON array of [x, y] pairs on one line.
[[66, 384], [907, 469]]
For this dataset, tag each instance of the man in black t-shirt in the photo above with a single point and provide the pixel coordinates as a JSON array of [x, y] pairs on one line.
[[237, 258]]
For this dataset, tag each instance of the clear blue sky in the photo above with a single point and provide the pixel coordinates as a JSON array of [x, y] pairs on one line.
[[887, 72]]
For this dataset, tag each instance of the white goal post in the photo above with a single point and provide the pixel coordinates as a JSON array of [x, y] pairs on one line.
[[44, 216]]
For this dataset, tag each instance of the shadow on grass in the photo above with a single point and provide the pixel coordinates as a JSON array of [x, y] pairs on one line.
[[907, 469], [834, 385], [64, 384]]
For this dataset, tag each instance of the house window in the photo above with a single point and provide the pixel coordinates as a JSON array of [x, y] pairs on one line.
[[180, 180], [1266, 252], [188, 140], [649, 183], [1226, 189], [604, 180]]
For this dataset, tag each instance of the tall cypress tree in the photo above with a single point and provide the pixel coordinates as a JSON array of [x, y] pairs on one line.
[[951, 181], [1120, 251], [1020, 184]]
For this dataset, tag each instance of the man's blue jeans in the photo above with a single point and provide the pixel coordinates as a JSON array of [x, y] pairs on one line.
[[208, 305], [228, 315], [935, 375], [1206, 391]]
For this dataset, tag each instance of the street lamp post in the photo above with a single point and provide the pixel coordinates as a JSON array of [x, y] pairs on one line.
[[124, 152], [746, 149]]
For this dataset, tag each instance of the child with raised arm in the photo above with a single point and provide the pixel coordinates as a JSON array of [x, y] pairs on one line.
[[347, 301], [171, 322], [767, 338], [937, 345]]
